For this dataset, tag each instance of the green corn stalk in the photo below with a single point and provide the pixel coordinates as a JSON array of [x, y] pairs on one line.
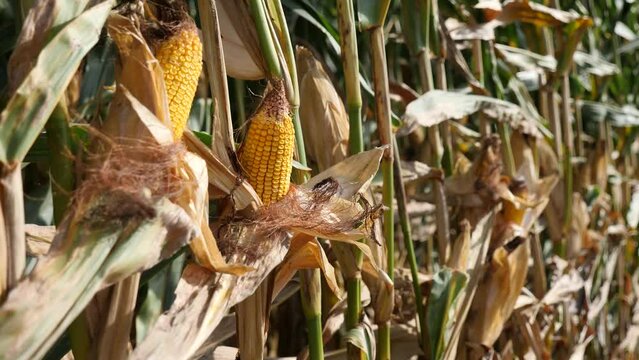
[[350, 63]]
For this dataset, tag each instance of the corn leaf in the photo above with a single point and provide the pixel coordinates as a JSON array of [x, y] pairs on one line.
[[525, 59], [33, 102], [372, 13], [85, 258], [533, 13], [438, 106], [447, 286]]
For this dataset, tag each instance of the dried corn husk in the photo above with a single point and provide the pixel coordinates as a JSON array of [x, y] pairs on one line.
[[322, 113], [242, 53]]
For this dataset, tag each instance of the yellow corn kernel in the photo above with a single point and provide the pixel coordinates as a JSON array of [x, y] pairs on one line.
[[180, 57], [267, 152]]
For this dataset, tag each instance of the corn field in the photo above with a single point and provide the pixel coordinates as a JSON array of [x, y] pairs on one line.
[[336, 179]]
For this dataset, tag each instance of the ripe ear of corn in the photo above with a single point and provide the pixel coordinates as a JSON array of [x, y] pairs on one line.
[[267, 152], [180, 57]]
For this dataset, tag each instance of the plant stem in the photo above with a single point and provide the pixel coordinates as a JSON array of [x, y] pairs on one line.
[[384, 347], [478, 69], [310, 289], [350, 64], [400, 196], [554, 119], [425, 71], [311, 284], [289, 56], [579, 150], [383, 112], [238, 88], [444, 127], [568, 150], [258, 12], [506, 149], [12, 240], [355, 288]]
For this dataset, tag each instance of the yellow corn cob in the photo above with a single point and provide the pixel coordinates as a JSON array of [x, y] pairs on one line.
[[180, 57], [267, 151]]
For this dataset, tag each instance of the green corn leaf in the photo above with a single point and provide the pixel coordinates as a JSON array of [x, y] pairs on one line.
[[30, 107], [447, 285]]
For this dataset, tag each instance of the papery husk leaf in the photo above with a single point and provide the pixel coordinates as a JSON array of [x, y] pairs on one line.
[[222, 133], [533, 13], [437, 106], [363, 338], [594, 65], [416, 170], [305, 253], [458, 259], [139, 72], [193, 170], [39, 238], [111, 339], [479, 244], [224, 180], [225, 353], [140, 122], [68, 276], [563, 289], [204, 297], [195, 202], [497, 293], [242, 54], [526, 59], [598, 304], [454, 55], [461, 31], [354, 174], [322, 113], [579, 351]]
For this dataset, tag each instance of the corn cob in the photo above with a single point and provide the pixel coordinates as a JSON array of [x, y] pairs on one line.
[[180, 57], [267, 152]]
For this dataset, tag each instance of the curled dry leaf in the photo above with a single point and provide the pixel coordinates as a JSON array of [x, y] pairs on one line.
[[533, 13], [242, 54], [437, 106], [461, 31], [305, 253], [497, 293], [563, 288], [138, 71]]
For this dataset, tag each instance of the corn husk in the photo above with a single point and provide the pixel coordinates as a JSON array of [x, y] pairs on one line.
[[322, 113], [240, 41], [205, 297]]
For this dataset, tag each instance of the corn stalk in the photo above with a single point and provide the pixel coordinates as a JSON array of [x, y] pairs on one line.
[[310, 279], [382, 105], [350, 64]]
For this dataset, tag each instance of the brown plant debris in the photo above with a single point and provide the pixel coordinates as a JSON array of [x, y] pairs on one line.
[[123, 178]]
